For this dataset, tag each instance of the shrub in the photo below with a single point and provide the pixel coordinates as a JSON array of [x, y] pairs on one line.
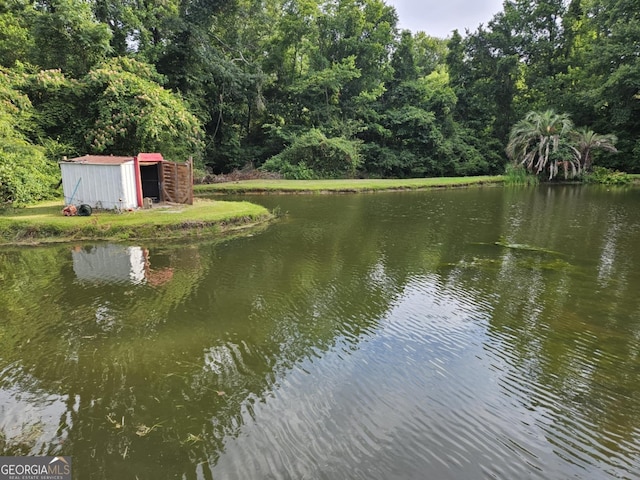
[[607, 176], [25, 176], [313, 155]]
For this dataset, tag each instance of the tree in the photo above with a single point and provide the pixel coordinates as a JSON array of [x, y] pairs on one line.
[[59, 109], [586, 140], [415, 133], [68, 37], [326, 68], [538, 141], [611, 85], [131, 112], [430, 52], [15, 41], [403, 60], [214, 57], [485, 73], [362, 29], [138, 26]]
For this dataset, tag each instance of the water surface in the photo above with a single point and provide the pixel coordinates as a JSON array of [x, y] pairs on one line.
[[446, 334]]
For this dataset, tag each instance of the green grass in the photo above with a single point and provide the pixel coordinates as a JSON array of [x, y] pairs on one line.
[[349, 185], [44, 222]]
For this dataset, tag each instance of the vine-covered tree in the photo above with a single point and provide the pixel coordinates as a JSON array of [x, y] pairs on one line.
[[16, 42], [25, 173], [131, 112], [610, 81]]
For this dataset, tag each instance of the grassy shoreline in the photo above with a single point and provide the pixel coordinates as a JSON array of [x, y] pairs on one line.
[[44, 223], [342, 186]]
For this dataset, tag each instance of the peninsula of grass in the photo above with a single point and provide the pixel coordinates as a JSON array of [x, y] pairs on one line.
[[342, 185], [44, 222]]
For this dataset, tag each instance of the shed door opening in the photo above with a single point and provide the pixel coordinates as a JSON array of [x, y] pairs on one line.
[[150, 176]]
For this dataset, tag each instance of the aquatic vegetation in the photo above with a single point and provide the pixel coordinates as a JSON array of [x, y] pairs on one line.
[[524, 246]]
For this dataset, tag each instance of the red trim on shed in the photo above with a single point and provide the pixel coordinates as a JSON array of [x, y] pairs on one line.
[[136, 168]]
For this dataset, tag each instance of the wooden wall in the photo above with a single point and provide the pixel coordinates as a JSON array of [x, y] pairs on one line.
[[177, 182]]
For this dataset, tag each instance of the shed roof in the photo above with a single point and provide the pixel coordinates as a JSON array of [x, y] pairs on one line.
[[99, 160], [150, 157]]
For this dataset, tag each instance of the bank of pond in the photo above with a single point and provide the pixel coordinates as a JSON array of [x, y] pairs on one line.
[[45, 222], [342, 185]]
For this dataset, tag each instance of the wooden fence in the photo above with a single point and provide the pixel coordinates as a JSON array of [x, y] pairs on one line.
[[177, 182]]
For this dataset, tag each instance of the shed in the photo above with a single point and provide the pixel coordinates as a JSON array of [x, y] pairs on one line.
[[100, 181], [118, 182]]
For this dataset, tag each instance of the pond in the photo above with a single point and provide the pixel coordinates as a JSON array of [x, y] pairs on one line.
[[448, 334]]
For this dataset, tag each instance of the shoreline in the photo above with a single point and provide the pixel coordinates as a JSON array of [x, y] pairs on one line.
[[341, 186], [44, 224]]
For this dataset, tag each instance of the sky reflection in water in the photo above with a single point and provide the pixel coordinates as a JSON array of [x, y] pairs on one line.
[[363, 336]]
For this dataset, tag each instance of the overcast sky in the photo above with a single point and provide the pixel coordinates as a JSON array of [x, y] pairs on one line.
[[439, 18]]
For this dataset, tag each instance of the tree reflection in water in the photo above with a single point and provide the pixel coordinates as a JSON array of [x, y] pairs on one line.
[[151, 366]]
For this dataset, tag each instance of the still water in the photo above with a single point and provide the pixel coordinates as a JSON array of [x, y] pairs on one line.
[[372, 336]]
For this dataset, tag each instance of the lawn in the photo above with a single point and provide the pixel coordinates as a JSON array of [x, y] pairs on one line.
[[346, 185], [44, 222]]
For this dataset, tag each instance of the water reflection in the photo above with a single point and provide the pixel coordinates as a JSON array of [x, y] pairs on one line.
[[111, 263], [553, 326], [364, 336]]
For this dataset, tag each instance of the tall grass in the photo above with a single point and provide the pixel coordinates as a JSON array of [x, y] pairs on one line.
[[518, 175]]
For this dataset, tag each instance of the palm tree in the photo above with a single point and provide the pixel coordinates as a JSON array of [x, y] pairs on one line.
[[537, 140], [584, 141]]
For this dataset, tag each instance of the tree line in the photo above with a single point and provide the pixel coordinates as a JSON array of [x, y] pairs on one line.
[[307, 88]]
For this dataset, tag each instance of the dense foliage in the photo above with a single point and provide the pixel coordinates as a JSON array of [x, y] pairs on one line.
[[25, 173], [544, 143], [313, 155], [310, 88]]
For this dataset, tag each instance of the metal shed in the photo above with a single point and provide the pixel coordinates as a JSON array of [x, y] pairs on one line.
[[100, 181], [112, 182]]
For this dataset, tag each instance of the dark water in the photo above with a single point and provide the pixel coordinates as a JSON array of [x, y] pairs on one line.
[[360, 337]]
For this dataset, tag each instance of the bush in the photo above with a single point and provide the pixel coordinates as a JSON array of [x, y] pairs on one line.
[[298, 171], [313, 155], [607, 176], [25, 176]]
